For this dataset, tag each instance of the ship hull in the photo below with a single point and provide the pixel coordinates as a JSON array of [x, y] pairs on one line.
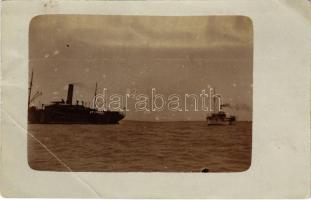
[[41, 116], [221, 123]]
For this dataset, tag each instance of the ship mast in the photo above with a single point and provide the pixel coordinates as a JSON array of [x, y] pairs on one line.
[[29, 89], [95, 94], [214, 102], [95, 90]]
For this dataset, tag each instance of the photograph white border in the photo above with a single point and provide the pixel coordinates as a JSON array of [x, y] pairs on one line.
[[281, 107]]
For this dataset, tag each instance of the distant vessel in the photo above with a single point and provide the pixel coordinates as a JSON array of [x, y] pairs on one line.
[[220, 117], [61, 112]]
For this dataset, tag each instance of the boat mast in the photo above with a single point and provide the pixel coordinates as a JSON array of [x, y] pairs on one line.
[[95, 90], [214, 102], [95, 94], [29, 89]]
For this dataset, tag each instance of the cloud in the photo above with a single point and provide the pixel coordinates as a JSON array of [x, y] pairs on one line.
[[147, 32]]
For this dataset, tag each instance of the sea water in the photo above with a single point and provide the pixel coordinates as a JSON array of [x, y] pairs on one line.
[[134, 146]]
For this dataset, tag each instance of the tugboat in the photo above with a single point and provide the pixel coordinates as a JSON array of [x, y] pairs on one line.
[[61, 112], [220, 117]]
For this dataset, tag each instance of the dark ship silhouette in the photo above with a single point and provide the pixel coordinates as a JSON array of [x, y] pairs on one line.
[[220, 117], [61, 112]]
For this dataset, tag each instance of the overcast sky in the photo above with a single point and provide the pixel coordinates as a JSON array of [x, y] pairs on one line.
[[172, 54]]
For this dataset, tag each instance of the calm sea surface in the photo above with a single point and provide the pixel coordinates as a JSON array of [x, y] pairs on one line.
[[140, 147]]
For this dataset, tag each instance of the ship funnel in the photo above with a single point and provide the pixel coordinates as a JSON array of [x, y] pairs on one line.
[[69, 94]]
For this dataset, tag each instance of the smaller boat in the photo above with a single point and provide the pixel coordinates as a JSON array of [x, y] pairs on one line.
[[220, 118]]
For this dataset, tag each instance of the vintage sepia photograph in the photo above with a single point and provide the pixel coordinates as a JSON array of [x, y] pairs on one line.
[[122, 93]]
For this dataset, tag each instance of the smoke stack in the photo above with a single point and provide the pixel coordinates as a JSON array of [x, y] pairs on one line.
[[69, 94]]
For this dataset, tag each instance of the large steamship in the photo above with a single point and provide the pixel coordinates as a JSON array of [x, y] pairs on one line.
[[65, 112]]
